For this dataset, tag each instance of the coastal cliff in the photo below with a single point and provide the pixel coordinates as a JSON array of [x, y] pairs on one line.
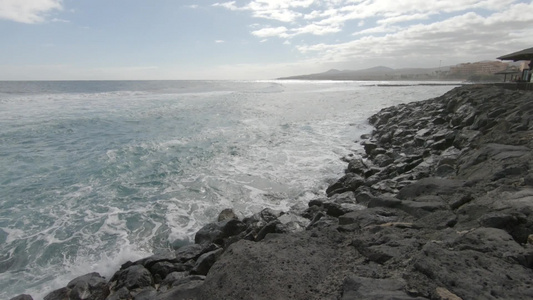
[[439, 205]]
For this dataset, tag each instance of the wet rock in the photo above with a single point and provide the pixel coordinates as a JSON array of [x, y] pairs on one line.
[[226, 215], [59, 294], [292, 223], [188, 252], [148, 262], [136, 276], [216, 232], [357, 166], [205, 261], [22, 297], [90, 286], [163, 268], [349, 182]]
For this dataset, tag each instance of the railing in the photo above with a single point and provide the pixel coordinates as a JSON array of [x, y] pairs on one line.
[[526, 86]]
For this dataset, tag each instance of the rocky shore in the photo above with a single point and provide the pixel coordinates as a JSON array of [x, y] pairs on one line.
[[438, 206]]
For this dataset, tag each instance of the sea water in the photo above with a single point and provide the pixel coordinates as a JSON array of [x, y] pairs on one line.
[[93, 174]]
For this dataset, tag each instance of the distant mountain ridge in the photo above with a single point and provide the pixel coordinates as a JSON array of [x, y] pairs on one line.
[[486, 70], [375, 73]]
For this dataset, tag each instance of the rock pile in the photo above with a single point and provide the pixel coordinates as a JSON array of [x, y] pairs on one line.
[[438, 206]]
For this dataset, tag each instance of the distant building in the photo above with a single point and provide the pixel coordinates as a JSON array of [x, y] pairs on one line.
[[478, 68]]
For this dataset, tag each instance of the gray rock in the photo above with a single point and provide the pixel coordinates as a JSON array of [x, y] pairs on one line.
[[226, 215], [189, 252], [349, 182], [120, 294], [59, 294], [430, 186], [163, 268], [136, 276], [22, 297], [205, 261], [356, 287], [145, 294], [216, 232], [90, 286]]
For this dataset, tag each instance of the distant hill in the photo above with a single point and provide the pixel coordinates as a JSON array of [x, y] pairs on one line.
[[376, 73], [478, 71]]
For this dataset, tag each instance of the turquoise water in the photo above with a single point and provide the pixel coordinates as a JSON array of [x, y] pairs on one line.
[[93, 174]]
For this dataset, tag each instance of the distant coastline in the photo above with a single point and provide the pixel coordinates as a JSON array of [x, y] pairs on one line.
[[484, 71]]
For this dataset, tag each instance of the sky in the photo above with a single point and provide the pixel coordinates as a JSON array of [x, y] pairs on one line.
[[250, 39]]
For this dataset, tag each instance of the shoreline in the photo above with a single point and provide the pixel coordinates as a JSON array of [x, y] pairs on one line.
[[438, 206]]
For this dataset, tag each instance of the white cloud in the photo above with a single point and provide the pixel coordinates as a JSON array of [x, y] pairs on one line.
[[28, 11], [271, 31], [219, 41], [407, 32], [321, 17], [464, 37], [403, 18]]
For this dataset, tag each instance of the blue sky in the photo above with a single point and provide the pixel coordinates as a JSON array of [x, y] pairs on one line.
[[250, 39]]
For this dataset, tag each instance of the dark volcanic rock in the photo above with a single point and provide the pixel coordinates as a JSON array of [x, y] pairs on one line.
[[22, 297], [133, 277], [285, 267], [91, 286], [217, 232]]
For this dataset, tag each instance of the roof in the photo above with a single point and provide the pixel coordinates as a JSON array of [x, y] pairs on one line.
[[526, 54]]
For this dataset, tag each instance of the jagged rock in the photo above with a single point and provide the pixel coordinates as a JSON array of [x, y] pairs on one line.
[[226, 215], [183, 289], [148, 293], [349, 182], [189, 252], [357, 166], [59, 294], [216, 232], [148, 262], [292, 223], [205, 261], [90, 287], [383, 160], [136, 276], [430, 186], [120, 294], [22, 297], [163, 268]]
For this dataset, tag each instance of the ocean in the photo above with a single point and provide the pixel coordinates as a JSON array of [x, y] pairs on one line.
[[96, 173]]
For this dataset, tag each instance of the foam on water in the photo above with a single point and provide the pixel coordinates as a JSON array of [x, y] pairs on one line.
[[93, 174]]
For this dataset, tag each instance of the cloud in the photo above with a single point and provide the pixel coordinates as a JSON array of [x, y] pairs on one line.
[[402, 32], [28, 11], [219, 41], [322, 17], [460, 37], [270, 31]]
